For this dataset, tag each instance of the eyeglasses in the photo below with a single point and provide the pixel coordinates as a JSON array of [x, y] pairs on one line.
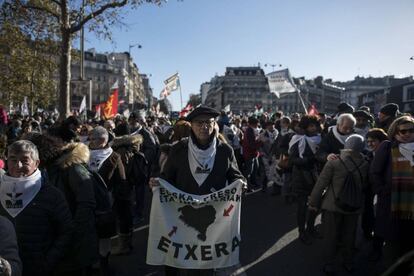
[[405, 131], [200, 123]]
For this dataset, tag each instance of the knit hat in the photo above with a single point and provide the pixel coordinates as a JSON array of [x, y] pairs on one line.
[[345, 108], [390, 109], [355, 142], [363, 114]]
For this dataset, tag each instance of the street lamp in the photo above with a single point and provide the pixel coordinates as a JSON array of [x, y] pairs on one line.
[[273, 65], [412, 58], [132, 46], [139, 46]]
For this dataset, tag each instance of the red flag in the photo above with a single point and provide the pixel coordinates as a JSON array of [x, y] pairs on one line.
[[185, 111], [312, 110], [110, 108]]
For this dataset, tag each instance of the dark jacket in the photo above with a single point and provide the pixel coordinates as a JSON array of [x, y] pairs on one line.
[[135, 164], [8, 246], [328, 145], [69, 174], [113, 173], [177, 169], [149, 146], [44, 230], [304, 170]]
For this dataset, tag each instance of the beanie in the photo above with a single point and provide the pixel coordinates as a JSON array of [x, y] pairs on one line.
[[355, 142], [390, 109], [345, 108]]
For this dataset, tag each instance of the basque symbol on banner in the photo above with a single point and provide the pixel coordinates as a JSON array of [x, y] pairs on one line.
[[192, 231]]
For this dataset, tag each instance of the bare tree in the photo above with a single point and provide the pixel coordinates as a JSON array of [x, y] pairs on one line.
[[66, 18]]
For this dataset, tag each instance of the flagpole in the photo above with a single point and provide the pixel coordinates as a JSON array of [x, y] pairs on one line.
[[181, 94], [301, 100]]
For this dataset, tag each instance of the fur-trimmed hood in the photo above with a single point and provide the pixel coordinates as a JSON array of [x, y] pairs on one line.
[[127, 141], [73, 153]]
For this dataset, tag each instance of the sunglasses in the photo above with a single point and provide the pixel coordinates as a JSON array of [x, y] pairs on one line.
[[405, 131]]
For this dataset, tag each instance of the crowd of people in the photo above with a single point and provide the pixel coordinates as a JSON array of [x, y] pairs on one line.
[[68, 186]]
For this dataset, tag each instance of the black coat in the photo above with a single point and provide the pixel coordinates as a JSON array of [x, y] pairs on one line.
[[328, 145], [304, 170], [8, 246], [44, 230], [177, 169], [70, 176]]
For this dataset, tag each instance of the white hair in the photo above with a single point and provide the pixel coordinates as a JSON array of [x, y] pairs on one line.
[[24, 146], [99, 132], [345, 117]]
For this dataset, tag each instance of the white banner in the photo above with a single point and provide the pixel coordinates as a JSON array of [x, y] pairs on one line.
[[195, 232], [281, 82]]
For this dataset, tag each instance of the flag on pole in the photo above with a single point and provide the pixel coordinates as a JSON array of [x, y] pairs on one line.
[[25, 108], [312, 110], [171, 84], [281, 82], [184, 112], [227, 108], [110, 108], [82, 107]]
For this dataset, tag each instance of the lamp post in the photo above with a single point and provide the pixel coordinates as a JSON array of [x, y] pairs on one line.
[[139, 46], [273, 65]]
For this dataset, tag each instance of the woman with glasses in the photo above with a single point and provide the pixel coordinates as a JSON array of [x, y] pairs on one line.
[[392, 174]]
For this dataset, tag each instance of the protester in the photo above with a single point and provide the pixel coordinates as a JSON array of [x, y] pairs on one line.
[[10, 263], [200, 165], [251, 145], [334, 141], [38, 210], [268, 138], [387, 115], [340, 223], [363, 122], [302, 149], [65, 167], [392, 176]]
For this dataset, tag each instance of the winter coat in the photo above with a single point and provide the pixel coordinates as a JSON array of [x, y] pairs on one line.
[[69, 174], [149, 146], [304, 171], [328, 145], [333, 175], [8, 246], [250, 144], [177, 169], [44, 230], [135, 164], [381, 181]]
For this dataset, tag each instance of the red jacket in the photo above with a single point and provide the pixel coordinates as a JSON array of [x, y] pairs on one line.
[[250, 144]]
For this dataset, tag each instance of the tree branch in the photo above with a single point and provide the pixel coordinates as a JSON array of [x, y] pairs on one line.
[[96, 13], [57, 2], [43, 9]]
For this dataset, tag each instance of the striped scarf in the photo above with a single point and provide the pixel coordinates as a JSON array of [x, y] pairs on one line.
[[402, 195]]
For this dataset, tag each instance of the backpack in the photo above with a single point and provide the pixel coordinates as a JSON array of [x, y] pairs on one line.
[[350, 198], [104, 216]]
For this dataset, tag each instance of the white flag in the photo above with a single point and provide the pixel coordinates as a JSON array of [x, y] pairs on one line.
[[172, 83], [25, 108], [126, 113], [227, 108], [281, 82], [195, 231], [82, 105]]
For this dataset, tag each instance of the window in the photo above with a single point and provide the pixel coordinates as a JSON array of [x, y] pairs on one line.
[[408, 94]]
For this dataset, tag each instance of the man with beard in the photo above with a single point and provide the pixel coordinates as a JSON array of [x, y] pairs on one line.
[[334, 141], [387, 115]]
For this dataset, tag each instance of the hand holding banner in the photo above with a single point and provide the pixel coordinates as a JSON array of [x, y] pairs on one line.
[[192, 231]]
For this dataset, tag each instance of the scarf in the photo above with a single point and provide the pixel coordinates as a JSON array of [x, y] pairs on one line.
[[312, 141], [136, 132], [402, 192], [98, 157], [201, 161], [340, 137], [17, 192], [407, 150]]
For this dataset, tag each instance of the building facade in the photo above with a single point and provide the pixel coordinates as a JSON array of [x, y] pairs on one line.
[[242, 88], [101, 72]]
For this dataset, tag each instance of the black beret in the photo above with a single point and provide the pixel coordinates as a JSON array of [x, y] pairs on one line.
[[390, 109], [363, 114], [345, 108], [202, 110]]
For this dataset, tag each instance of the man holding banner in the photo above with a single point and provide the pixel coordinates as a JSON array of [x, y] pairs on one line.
[[195, 212]]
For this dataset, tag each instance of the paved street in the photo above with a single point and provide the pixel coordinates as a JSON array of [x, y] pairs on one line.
[[269, 247]]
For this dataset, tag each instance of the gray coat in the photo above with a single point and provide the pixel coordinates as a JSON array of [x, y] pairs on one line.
[[334, 174], [8, 246]]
